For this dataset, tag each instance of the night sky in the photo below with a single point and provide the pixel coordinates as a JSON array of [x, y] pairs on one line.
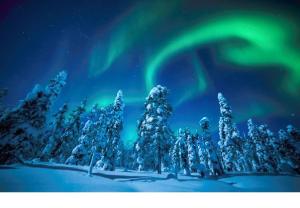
[[249, 50]]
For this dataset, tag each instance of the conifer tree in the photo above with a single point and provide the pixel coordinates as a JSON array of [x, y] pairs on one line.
[[293, 132], [81, 154], [20, 127], [193, 153], [229, 143], [176, 158], [181, 148], [213, 160], [70, 136], [55, 134], [288, 153], [114, 128], [267, 162], [251, 150], [153, 130]]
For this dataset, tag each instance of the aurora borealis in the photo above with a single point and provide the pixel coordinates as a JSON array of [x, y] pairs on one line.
[[249, 50]]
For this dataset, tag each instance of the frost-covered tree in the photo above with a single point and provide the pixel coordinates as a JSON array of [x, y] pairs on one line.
[[55, 133], [176, 158], [193, 153], [262, 161], [100, 140], [114, 114], [154, 134], [251, 151], [70, 136], [203, 156], [213, 161], [21, 126], [293, 132], [81, 154], [288, 154], [229, 143], [180, 156], [272, 149], [264, 150]]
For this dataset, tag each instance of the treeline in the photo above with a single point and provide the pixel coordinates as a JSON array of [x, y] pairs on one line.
[[92, 138]]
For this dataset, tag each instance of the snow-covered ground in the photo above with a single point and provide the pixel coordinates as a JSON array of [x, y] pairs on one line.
[[24, 178]]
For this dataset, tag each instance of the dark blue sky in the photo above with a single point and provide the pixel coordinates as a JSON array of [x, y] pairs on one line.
[[109, 45]]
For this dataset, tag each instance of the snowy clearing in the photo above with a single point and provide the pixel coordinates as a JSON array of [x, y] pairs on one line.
[[38, 179]]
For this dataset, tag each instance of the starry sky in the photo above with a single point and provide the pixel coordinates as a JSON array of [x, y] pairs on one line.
[[249, 50]]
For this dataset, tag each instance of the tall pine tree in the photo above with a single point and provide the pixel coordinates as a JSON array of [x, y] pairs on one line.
[[230, 141], [153, 131]]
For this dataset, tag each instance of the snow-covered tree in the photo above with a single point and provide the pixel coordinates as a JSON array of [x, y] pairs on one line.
[[20, 127], [81, 154], [213, 161], [70, 136], [154, 134], [114, 114], [262, 140], [288, 153], [180, 154], [229, 143], [267, 162], [176, 158], [193, 153], [55, 134], [251, 151], [293, 132]]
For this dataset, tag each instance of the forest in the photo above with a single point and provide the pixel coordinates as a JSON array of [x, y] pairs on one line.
[[82, 137]]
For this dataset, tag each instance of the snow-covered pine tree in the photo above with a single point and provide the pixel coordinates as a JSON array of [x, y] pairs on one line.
[[20, 127], [293, 132], [153, 130], [81, 154], [252, 152], [213, 160], [264, 152], [99, 142], [181, 149], [176, 158], [288, 154], [272, 149], [193, 153], [55, 133], [113, 133], [203, 156], [230, 144], [70, 136]]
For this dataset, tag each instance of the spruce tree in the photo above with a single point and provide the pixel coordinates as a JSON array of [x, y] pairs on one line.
[[176, 158], [70, 136], [183, 150], [288, 154], [153, 130], [293, 132], [113, 133], [214, 162], [251, 150], [55, 134], [81, 154], [268, 163], [229, 143], [20, 127], [193, 153]]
